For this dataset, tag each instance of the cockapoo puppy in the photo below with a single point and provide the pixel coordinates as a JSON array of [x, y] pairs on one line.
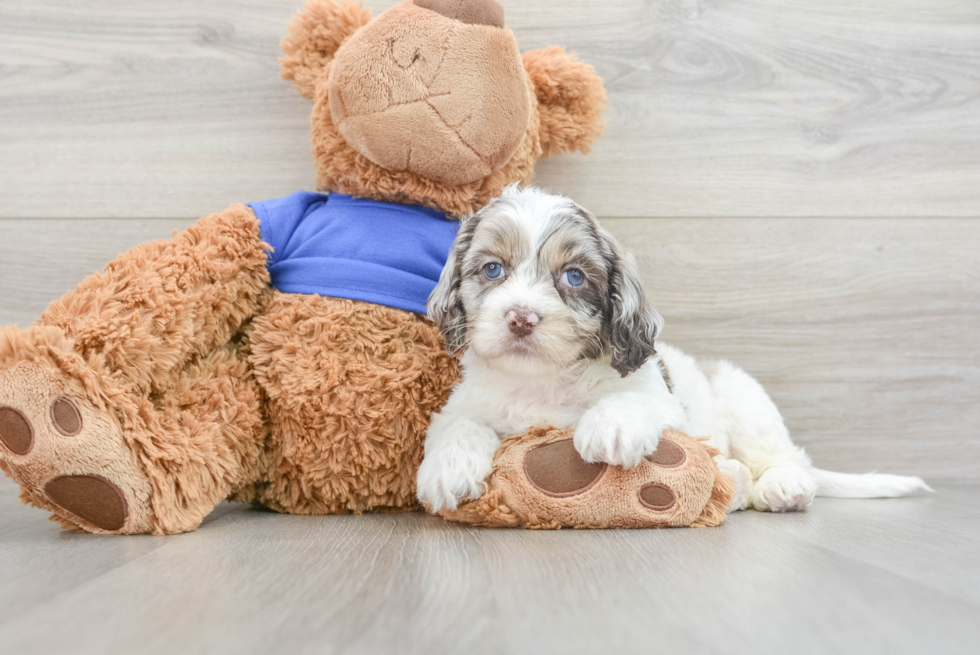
[[550, 315]]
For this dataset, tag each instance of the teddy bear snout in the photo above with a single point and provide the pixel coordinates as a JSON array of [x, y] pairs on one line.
[[474, 12]]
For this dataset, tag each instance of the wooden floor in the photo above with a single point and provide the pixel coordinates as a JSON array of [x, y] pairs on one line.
[[873, 576], [799, 182]]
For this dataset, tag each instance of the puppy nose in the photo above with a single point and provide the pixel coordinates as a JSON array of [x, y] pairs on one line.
[[474, 12], [521, 321]]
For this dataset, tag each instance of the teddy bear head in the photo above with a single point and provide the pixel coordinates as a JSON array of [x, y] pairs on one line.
[[431, 102]]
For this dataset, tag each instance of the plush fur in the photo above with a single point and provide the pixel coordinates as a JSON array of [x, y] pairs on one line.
[[555, 330], [350, 387], [194, 381]]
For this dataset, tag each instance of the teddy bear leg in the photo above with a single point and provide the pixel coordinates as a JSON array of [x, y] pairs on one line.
[[205, 441], [350, 387], [160, 304], [156, 464], [80, 391], [742, 479]]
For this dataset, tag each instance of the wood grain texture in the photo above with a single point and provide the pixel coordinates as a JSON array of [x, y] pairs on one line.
[[862, 330], [876, 576], [717, 108]]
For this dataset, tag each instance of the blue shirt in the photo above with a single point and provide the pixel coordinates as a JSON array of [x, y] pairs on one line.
[[346, 247]]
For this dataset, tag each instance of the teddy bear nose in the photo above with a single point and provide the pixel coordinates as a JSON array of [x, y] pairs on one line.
[[474, 12]]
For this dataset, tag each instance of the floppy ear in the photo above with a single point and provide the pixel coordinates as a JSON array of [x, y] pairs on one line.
[[633, 324], [570, 98], [315, 34], [445, 306]]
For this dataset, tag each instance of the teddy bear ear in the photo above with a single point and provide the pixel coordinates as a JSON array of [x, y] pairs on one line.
[[315, 34], [570, 98]]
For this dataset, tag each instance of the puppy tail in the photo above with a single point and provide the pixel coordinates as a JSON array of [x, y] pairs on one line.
[[867, 485]]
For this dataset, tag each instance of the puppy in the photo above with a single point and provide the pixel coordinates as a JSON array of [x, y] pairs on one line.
[[550, 317]]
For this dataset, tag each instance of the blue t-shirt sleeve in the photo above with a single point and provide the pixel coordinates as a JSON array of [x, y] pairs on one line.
[[279, 218]]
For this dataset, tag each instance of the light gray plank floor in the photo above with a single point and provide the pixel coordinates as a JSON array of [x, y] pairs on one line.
[[875, 576]]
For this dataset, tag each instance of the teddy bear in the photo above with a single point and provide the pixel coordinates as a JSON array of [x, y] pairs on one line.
[[277, 352]]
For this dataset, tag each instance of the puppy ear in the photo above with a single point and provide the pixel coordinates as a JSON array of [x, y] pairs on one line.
[[445, 306], [570, 99], [315, 34], [633, 324]]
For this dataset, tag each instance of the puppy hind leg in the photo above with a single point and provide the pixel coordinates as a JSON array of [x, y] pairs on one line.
[[758, 438], [741, 476]]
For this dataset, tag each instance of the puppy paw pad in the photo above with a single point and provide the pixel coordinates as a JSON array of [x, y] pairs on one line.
[[657, 496], [556, 469], [16, 432], [66, 418], [668, 454], [91, 498]]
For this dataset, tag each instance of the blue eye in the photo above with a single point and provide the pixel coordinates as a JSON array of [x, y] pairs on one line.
[[573, 277], [493, 270]]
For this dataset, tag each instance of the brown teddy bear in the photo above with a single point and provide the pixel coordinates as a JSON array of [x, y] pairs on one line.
[[209, 367]]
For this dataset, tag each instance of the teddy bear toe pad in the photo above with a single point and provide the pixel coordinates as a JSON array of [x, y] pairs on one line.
[[67, 455], [669, 454], [16, 432], [657, 497], [556, 469]]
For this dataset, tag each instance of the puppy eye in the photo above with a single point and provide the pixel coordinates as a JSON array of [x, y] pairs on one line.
[[493, 270], [573, 277]]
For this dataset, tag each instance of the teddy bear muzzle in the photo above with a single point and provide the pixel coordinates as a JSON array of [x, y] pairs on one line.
[[433, 87]]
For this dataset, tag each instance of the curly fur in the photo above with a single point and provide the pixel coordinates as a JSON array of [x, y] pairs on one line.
[[571, 100], [350, 388]]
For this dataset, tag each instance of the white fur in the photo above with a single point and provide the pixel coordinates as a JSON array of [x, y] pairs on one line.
[[617, 420]]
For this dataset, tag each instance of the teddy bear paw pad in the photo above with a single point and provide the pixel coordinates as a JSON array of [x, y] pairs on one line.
[[657, 497], [67, 455], [91, 498], [16, 432], [669, 454], [556, 469]]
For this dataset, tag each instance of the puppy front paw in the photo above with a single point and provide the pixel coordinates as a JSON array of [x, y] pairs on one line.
[[450, 475], [617, 432]]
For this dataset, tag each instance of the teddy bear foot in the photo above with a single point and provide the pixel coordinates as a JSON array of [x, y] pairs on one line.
[[540, 481], [67, 455]]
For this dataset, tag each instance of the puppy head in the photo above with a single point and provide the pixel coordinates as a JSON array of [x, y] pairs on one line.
[[534, 285]]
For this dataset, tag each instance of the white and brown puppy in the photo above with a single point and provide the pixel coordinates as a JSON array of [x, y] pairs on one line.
[[551, 319]]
